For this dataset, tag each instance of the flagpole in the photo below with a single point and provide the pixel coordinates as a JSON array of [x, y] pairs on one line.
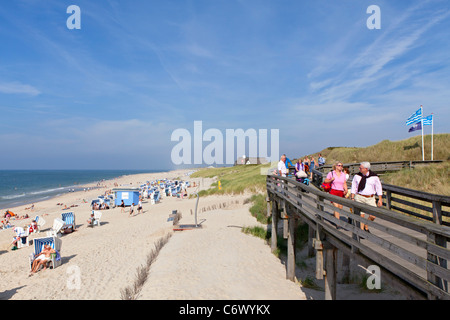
[[432, 124], [421, 122]]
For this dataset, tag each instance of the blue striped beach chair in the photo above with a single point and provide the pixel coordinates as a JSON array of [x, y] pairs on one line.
[[55, 243], [155, 197], [69, 220]]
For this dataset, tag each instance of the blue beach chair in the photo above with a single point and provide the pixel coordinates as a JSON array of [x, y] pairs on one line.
[[55, 243], [156, 197], [69, 220]]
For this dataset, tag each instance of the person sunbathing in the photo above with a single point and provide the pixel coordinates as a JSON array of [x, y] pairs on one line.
[[42, 258]]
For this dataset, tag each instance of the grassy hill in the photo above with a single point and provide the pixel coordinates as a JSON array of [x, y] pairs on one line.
[[433, 178], [408, 149]]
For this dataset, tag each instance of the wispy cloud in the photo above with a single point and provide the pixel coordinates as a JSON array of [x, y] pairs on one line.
[[375, 66], [18, 88]]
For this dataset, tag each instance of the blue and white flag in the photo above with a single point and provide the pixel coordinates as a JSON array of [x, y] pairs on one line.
[[428, 121], [416, 126], [415, 117]]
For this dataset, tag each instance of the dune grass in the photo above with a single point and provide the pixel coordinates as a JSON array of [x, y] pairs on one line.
[[433, 178], [234, 180], [386, 150]]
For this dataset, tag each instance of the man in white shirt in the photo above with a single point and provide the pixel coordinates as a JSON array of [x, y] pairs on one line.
[[282, 170], [365, 185]]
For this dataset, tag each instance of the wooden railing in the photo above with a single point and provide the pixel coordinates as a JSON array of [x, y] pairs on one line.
[[385, 166], [431, 207], [411, 253]]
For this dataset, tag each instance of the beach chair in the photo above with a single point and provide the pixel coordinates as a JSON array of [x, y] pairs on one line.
[[23, 235], [53, 242], [156, 197], [58, 224], [40, 223], [69, 220], [97, 218]]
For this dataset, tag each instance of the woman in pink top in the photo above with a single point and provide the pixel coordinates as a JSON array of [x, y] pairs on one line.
[[338, 181]]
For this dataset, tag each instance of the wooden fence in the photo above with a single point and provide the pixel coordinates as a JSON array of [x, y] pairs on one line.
[[409, 252], [431, 207]]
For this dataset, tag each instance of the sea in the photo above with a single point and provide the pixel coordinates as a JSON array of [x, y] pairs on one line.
[[22, 187]]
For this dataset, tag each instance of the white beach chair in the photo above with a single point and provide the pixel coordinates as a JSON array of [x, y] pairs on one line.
[[23, 234], [97, 218], [40, 223], [58, 224]]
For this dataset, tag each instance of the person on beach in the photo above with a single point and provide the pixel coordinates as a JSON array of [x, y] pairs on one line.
[[33, 226], [18, 237], [365, 185], [131, 209], [42, 258], [338, 182], [122, 205], [139, 209], [91, 220]]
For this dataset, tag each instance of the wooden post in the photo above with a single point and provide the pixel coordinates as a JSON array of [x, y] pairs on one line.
[[345, 268], [274, 235], [433, 259], [290, 263], [311, 235], [317, 243], [356, 212], [437, 212], [388, 199], [330, 274]]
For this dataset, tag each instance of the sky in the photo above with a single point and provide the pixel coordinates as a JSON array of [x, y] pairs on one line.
[[110, 94]]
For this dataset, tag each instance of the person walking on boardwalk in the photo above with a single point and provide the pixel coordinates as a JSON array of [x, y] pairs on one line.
[[338, 184], [365, 185], [282, 167]]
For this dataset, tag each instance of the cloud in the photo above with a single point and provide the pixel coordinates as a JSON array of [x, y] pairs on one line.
[[18, 88]]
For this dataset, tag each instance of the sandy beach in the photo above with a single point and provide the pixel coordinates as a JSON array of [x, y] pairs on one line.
[[216, 261]]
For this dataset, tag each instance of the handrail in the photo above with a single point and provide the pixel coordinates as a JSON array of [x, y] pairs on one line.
[[437, 202], [412, 250]]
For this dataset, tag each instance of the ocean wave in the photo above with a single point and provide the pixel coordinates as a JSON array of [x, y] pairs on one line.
[[46, 191], [33, 194], [13, 196]]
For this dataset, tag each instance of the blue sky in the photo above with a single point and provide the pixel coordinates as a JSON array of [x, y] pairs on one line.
[[109, 95]]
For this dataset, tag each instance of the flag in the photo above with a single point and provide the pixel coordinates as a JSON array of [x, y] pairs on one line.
[[416, 116], [428, 121], [416, 126]]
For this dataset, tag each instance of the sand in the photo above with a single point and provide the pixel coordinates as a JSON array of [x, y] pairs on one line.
[[217, 261], [214, 262]]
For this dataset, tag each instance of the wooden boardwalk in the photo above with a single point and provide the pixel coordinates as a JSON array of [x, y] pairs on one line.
[[410, 252]]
